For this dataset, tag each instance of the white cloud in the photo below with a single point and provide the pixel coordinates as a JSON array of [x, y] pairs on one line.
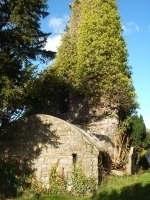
[[126, 30], [130, 27], [58, 24], [53, 43]]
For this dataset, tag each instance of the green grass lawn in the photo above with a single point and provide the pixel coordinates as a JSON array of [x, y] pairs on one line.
[[136, 187], [56, 198]]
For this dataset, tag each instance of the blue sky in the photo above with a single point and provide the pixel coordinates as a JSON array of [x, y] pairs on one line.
[[135, 18]]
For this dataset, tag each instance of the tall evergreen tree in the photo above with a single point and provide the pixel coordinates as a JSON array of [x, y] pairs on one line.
[[137, 130], [102, 68], [93, 56], [21, 43], [66, 61]]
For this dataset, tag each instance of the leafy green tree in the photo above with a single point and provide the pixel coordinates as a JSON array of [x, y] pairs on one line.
[[147, 139], [137, 130], [93, 56], [66, 60], [21, 43], [102, 68], [48, 92], [61, 74]]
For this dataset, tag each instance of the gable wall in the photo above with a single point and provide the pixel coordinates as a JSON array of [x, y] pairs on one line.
[[45, 140]]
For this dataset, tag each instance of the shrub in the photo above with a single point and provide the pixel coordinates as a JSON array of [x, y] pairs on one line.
[[58, 183], [81, 184], [13, 177]]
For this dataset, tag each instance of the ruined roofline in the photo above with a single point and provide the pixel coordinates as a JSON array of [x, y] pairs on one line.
[[91, 139]]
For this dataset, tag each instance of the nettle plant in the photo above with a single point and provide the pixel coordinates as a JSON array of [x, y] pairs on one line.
[[80, 184], [57, 181]]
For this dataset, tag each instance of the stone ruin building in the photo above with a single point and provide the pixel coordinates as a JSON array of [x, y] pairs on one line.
[[44, 140]]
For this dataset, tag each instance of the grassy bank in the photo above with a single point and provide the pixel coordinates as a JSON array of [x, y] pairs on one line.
[[135, 187], [55, 198]]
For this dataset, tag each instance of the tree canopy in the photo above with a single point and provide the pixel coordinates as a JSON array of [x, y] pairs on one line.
[[66, 59], [21, 43], [137, 130], [93, 57]]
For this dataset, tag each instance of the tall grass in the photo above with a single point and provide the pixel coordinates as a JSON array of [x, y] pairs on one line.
[[136, 187], [55, 197]]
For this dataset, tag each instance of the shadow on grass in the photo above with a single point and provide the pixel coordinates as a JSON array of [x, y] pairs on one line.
[[132, 192]]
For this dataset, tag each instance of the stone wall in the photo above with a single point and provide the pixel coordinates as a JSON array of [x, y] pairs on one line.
[[99, 119], [44, 140], [104, 130]]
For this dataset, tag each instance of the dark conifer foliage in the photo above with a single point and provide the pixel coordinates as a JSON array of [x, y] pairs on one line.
[[137, 131], [21, 43]]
